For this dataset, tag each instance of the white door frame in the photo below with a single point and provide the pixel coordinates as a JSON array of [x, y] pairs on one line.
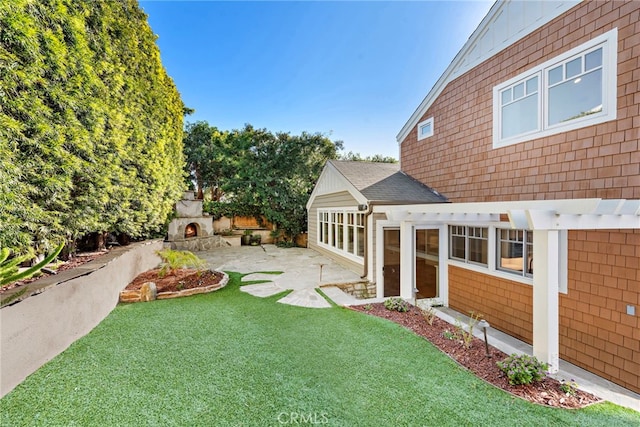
[[407, 257], [380, 226], [443, 251]]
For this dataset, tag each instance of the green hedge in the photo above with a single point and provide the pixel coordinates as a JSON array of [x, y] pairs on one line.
[[90, 123]]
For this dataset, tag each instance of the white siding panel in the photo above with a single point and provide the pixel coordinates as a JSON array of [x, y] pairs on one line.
[[342, 199]]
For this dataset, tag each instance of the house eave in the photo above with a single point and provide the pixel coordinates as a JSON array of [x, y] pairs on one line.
[[458, 67]]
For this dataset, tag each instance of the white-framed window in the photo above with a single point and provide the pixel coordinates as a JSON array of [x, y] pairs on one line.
[[341, 230], [469, 244], [502, 252], [515, 251], [425, 128], [323, 227], [573, 90]]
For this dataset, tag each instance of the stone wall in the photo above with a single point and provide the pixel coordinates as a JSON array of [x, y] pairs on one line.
[[35, 330], [195, 244], [360, 290]]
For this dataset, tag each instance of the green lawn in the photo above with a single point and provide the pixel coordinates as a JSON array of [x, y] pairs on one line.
[[228, 358]]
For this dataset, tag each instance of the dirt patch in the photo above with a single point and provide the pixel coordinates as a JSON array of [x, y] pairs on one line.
[[177, 280], [546, 392], [76, 261]]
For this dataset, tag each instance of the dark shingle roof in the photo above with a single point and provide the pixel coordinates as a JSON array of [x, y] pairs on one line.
[[386, 182]]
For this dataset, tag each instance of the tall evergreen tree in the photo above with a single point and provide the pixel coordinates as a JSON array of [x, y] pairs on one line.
[[91, 121]]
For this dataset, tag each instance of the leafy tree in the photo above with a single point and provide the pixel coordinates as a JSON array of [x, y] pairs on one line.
[[206, 152], [274, 174], [91, 121], [357, 157]]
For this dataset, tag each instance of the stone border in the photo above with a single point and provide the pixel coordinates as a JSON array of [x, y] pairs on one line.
[[127, 296], [360, 289]]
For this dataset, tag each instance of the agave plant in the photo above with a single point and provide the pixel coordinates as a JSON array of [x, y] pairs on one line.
[[173, 260], [9, 271]]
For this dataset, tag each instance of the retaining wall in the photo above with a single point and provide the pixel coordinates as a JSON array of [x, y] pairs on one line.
[[37, 329]]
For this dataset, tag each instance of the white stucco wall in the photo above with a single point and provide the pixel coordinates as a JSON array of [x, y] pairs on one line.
[[37, 329]]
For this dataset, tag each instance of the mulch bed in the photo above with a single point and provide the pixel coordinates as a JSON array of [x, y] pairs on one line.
[[177, 280], [76, 261], [546, 392]]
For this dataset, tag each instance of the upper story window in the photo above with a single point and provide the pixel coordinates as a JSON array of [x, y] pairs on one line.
[[425, 129], [574, 90]]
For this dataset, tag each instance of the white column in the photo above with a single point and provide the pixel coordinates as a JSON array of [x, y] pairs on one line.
[[443, 264], [546, 319], [406, 260]]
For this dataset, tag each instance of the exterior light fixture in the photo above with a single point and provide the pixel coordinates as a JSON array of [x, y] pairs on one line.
[[485, 325]]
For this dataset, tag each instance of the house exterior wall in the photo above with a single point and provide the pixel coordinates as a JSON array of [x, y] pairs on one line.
[[341, 199], [595, 329], [599, 161], [506, 305]]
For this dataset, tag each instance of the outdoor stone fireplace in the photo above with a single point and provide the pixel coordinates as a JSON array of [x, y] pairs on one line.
[[191, 229]]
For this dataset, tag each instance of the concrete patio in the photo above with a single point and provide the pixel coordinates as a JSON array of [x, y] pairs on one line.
[[303, 270]]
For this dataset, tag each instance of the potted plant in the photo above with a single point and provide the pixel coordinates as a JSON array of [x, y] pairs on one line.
[[246, 238], [275, 235], [256, 239]]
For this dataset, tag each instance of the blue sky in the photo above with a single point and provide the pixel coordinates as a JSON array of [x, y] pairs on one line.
[[354, 71]]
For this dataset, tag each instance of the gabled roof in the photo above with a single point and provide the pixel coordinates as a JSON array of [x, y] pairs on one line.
[[373, 182], [506, 22]]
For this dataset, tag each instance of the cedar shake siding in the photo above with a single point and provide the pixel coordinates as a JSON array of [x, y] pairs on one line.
[[595, 329], [598, 161]]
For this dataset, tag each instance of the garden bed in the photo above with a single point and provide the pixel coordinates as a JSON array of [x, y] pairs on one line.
[[176, 283], [547, 392]]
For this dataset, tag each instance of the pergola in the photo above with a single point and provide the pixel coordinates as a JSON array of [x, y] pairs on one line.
[[548, 220]]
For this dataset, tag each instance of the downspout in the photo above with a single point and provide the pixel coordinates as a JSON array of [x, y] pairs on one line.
[[366, 238], [368, 213]]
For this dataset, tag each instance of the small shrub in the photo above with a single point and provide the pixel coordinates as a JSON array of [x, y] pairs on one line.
[[523, 369], [429, 315], [396, 304], [285, 244], [466, 335], [449, 335], [173, 260], [368, 307], [569, 387]]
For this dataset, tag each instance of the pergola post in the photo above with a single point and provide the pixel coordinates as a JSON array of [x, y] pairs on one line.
[[546, 254], [407, 260]]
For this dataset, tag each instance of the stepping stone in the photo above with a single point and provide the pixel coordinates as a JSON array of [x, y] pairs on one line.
[[340, 297], [305, 298], [262, 290]]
